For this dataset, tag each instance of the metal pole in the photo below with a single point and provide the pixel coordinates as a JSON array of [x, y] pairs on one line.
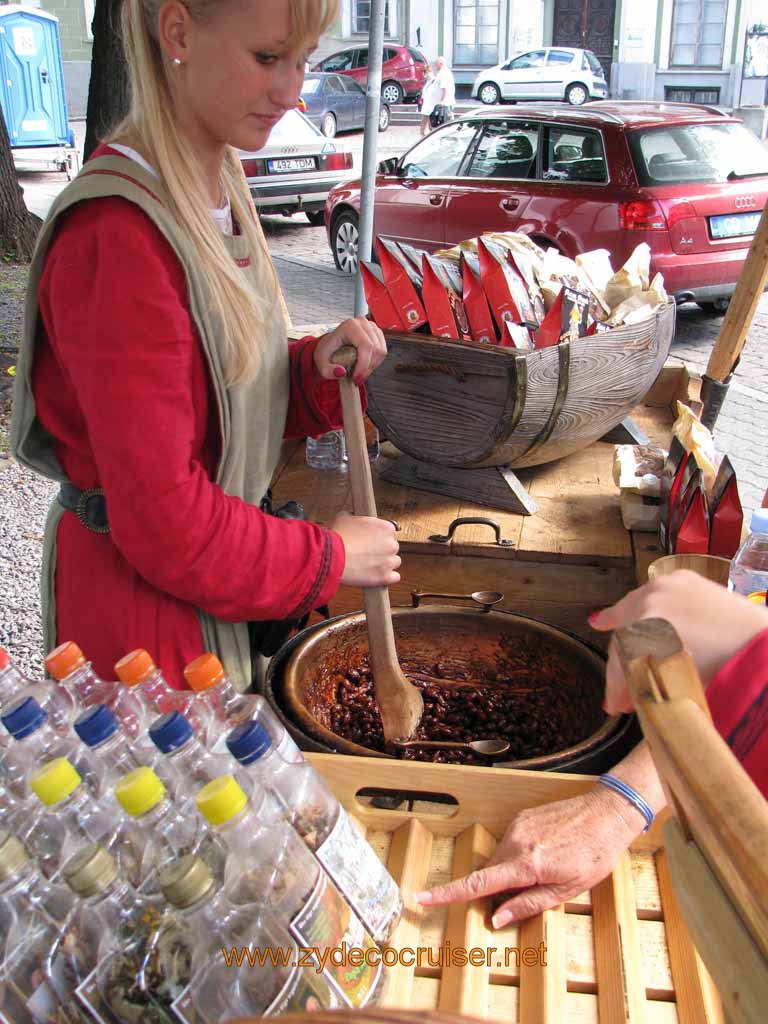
[[370, 145]]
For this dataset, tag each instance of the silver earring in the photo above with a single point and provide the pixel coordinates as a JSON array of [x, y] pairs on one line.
[[177, 61]]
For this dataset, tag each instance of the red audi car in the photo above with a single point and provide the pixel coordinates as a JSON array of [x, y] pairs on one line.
[[688, 180]]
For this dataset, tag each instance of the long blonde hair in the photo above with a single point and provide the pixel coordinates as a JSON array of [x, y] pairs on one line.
[[152, 126]]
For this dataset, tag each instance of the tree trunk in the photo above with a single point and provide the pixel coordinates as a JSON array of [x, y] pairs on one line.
[[18, 227], [108, 94]]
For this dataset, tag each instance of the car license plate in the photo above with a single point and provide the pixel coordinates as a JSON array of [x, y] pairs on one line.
[[732, 225], [298, 163]]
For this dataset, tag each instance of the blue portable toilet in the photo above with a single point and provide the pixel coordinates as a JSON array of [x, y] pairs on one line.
[[32, 78]]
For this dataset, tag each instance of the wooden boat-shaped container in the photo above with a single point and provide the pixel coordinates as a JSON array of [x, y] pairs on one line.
[[471, 406]]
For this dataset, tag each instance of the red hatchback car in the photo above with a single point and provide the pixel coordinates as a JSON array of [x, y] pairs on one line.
[[688, 180], [402, 74]]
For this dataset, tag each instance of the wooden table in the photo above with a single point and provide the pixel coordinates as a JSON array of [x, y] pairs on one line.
[[572, 557]]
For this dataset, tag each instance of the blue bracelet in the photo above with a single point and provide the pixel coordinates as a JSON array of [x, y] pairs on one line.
[[630, 794]]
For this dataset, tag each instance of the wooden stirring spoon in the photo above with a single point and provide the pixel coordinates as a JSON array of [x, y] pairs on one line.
[[399, 701]]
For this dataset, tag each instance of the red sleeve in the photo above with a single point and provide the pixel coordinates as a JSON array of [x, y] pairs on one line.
[[315, 404], [738, 700], [130, 350]]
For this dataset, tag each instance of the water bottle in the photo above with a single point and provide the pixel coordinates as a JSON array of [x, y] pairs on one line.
[[328, 451], [749, 567]]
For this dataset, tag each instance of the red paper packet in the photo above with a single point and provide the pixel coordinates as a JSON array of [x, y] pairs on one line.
[[381, 307], [504, 288], [476, 305], [442, 319], [402, 282], [693, 535], [551, 326], [693, 483], [517, 336], [726, 514]]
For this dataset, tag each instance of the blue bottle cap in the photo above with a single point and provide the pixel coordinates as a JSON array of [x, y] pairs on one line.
[[759, 521], [96, 725], [248, 742], [169, 732], [23, 718]]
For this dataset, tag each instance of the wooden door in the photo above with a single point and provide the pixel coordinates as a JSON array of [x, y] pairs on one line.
[[587, 24]]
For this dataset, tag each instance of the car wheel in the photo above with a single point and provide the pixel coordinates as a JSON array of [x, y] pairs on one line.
[[576, 94], [716, 308], [391, 92], [328, 125], [345, 241], [489, 93], [315, 217], [383, 118]]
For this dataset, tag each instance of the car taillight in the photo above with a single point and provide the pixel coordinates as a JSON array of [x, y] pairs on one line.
[[252, 168], [642, 215], [338, 161], [680, 211]]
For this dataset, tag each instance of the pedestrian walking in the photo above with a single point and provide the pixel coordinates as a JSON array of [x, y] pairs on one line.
[[445, 80], [155, 380], [430, 94]]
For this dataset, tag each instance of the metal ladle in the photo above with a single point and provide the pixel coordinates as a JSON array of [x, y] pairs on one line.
[[491, 748]]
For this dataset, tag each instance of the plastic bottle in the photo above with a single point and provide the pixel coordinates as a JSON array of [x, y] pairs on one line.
[[67, 664], [218, 991], [72, 817], [58, 703], [106, 754], [329, 451], [206, 676], [186, 765], [138, 672], [35, 983], [325, 827], [35, 743], [749, 566], [269, 862], [155, 832]]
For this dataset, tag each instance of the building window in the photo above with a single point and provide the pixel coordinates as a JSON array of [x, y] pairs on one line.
[[683, 95], [361, 17], [476, 32], [88, 6], [698, 29]]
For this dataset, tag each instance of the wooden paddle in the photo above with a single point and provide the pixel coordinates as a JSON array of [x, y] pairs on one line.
[[399, 701]]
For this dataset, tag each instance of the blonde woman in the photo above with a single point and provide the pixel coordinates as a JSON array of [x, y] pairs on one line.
[[156, 382]]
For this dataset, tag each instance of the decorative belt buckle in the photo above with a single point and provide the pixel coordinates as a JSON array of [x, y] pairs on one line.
[[82, 509]]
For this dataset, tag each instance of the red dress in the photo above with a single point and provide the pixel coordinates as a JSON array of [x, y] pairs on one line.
[[121, 382], [738, 701]]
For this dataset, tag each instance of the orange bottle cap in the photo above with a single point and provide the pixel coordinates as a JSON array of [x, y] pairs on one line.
[[135, 667], [204, 672], [4, 658], [757, 597], [64, 659]]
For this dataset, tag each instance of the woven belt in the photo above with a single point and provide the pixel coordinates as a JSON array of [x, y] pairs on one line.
[[89, 506]]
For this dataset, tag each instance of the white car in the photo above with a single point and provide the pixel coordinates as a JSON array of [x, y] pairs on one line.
[[549, 73], [296, 169]]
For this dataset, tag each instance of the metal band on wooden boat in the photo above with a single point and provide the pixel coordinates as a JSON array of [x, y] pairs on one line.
[[563, 383]]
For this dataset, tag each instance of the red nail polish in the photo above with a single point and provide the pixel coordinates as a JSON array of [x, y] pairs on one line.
[[340, 372], [359, 380], [593, 618]]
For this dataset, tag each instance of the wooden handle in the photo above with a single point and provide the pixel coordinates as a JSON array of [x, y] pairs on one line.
[[741, 311]]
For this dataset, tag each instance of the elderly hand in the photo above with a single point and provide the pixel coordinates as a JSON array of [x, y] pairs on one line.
[[713, 625], [551, 853], [365, 336]]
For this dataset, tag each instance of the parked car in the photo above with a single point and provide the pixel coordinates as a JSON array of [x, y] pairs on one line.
[[335, 103], [550, 73], [402, 74], [296, 169], [688, 180]]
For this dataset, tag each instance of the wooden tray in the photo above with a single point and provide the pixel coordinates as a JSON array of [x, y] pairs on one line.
[[619, 954]]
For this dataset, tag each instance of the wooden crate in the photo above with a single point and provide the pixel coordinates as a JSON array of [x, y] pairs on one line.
[[620, 953]]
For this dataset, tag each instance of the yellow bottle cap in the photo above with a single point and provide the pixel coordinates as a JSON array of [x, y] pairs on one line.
[[54, 781], [221, 800], [139, 791], [758, 597]]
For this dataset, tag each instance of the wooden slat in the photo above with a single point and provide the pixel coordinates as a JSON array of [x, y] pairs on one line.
[[675, 383], [697, 997], [620, 987], [543, 987], [408, 863], [465, 988]]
